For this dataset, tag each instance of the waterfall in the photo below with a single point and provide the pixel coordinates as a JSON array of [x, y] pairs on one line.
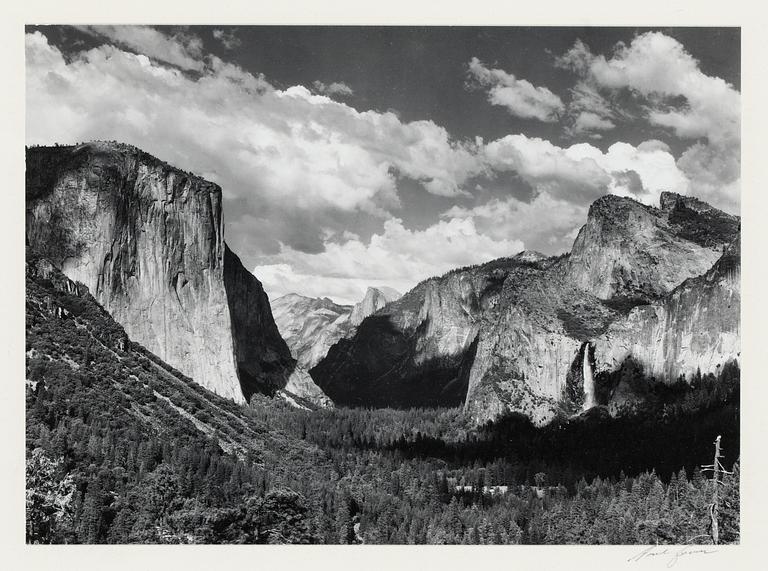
[[589, 381]]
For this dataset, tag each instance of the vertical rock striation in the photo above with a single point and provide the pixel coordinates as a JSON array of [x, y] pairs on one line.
[[417, 350], [310, 326], [530, 350], [374, 300], [694, 330], [147, 241], [526, 333]]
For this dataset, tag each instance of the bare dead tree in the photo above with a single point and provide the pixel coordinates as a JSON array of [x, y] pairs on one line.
[[714, 506]]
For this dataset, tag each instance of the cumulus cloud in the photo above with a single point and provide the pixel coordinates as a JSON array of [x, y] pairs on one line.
[[582, 172], [311, 184], [641, 172], [276, 153], [228, 38], [395, 258], [547, 224], [182, 50], [587, 121], [678, 96], [336, 88], [566, 181], [589, 111], [657, 66], [547, 167], [520, 97], [714, 173]]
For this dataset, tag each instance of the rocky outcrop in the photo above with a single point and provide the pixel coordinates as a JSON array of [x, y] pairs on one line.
[[695, 330], [300, 384], [311, 326], [374, 300], [529, 350], [147, 240], [513, 334], [263, 360], [417, 350], [633, 251]]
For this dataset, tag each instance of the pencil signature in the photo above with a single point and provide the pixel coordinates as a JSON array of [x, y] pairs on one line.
[[670, 554]]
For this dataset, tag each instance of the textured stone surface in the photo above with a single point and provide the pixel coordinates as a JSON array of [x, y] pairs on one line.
[[374, 300], [418, 350], [529, 346], [147, 241], [627, 249], [512, 334], [311, 326], [694, 329]]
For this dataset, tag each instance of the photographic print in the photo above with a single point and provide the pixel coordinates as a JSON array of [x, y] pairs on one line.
[[382, 285]]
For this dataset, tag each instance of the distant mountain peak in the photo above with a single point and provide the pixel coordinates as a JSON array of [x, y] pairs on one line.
[[311, 325], [375, 298]]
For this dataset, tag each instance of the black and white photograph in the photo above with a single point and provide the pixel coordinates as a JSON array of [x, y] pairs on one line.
[[383, 285]]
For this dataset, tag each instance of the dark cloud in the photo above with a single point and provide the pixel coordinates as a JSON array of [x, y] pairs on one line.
[[631, 181], [228, 38], [333, 89]]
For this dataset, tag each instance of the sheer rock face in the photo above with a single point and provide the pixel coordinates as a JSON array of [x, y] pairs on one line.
[[630, 250], [529, 349], [511, 335], [695, 329], [311, 326], [374, 300], [263, 360], [147, 241], [417, 350]]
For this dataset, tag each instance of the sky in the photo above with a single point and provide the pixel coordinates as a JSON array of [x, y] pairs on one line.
[[379, 156]]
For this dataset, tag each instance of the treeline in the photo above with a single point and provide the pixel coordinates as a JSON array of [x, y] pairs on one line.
[[400, 486], [122, 448]]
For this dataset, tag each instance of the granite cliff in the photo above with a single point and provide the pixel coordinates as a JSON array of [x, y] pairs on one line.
[[147, 240], [694, 330], [311, 326], [418, 350], [375, 298], [642, 284], [637, 252]]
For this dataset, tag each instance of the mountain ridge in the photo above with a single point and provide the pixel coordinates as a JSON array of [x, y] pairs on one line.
[[311, 326], [509, 335]]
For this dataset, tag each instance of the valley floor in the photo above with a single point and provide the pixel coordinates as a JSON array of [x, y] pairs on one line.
[[122, 448]]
